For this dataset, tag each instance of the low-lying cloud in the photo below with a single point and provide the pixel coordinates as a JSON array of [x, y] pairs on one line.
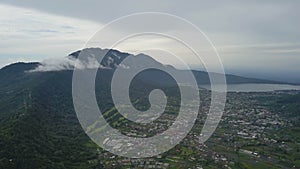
[[67, 63]]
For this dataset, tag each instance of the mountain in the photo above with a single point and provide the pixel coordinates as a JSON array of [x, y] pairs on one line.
[[38, 124], [39, 128], [115, 57]]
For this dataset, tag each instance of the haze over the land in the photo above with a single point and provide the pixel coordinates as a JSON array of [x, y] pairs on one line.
[[254, 38]]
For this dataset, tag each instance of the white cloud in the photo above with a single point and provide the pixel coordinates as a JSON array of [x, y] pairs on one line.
[[66, 63], [29, 34]]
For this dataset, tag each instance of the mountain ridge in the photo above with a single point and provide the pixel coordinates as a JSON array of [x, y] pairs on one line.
[[114, 58]]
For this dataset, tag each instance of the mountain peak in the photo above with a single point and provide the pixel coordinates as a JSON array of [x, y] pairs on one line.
[[20, 67], [113, 57]]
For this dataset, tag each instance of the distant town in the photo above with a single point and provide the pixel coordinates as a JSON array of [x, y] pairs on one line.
[[249, 135]]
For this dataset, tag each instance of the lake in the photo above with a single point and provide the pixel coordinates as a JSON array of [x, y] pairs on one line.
[[251, 87]]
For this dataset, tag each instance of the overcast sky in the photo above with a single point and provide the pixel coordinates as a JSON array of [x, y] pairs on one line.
[[254, 38]]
